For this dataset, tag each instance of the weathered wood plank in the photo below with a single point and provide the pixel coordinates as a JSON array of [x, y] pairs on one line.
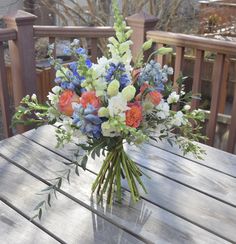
[[14, 228], [160, 226], [68, 220], [198, 177], [180, 200], [215, 159]]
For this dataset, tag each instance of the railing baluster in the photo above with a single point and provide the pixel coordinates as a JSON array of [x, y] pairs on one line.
[[178, 65], [161, 59], [232, 129], [217, 76], [196, 88], [52, 40], [94, 49], [4, 96], [223, 94]]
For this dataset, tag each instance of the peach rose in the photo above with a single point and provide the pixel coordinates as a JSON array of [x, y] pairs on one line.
[[90, 98], [65, 102]]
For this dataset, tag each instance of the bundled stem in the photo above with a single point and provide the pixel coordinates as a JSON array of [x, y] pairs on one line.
[[116, 165]]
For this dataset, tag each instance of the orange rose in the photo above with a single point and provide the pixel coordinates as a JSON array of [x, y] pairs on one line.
[[65, 102], [134, 115], [90, 98], [155, 97]]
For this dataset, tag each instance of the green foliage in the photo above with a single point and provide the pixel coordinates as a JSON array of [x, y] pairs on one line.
[[30, 112]]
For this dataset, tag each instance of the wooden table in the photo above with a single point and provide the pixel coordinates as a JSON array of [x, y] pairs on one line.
[[189, 201]]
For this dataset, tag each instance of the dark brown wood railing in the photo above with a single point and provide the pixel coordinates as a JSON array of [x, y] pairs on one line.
[[5, 35], [93, 33], [223, 50]]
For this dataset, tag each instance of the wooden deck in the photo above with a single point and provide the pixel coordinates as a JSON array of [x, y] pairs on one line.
[[189, 201]]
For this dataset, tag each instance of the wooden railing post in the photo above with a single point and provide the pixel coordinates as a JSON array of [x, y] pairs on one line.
[[140, 23], [22, 54]]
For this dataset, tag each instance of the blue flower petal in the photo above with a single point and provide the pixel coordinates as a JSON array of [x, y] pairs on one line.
[[93, 119]]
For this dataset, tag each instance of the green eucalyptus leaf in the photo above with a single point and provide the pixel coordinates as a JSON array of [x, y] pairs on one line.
[[39, 205]]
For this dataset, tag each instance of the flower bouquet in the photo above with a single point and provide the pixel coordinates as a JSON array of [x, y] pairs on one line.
[[110, 103]]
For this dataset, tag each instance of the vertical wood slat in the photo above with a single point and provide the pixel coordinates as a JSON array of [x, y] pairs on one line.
[[232, 129], [217, 76], [196, 88], [179, 59], [4, 96], [94, 49], [161, 59], [52, 40], [223, 94]]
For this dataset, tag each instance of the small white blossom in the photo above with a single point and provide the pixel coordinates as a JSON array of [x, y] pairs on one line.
[[163, 110], [53, 96], [173, 98], [117, 105], [187, 107], [179, 119], [170, 71], [34, 97]]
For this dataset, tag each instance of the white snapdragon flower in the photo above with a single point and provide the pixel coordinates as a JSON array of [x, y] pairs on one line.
[[179, 119], [117, 105], [100, 67], [173, 98], [163, 110]]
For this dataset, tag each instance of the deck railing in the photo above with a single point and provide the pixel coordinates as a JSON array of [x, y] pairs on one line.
[[21, 45], [93, 33], [223, 50], [5, 35]]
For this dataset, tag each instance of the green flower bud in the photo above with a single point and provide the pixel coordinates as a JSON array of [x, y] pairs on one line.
[[129, 92], [164, 50], [147, 45], [113, 88], [103, 112], [61, 73]]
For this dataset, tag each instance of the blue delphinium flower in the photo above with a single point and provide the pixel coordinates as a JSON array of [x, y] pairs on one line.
[[81, 51], [118, 72], [88, 63], [155, 75], [74, 68], [124, 81], [87, 120]]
